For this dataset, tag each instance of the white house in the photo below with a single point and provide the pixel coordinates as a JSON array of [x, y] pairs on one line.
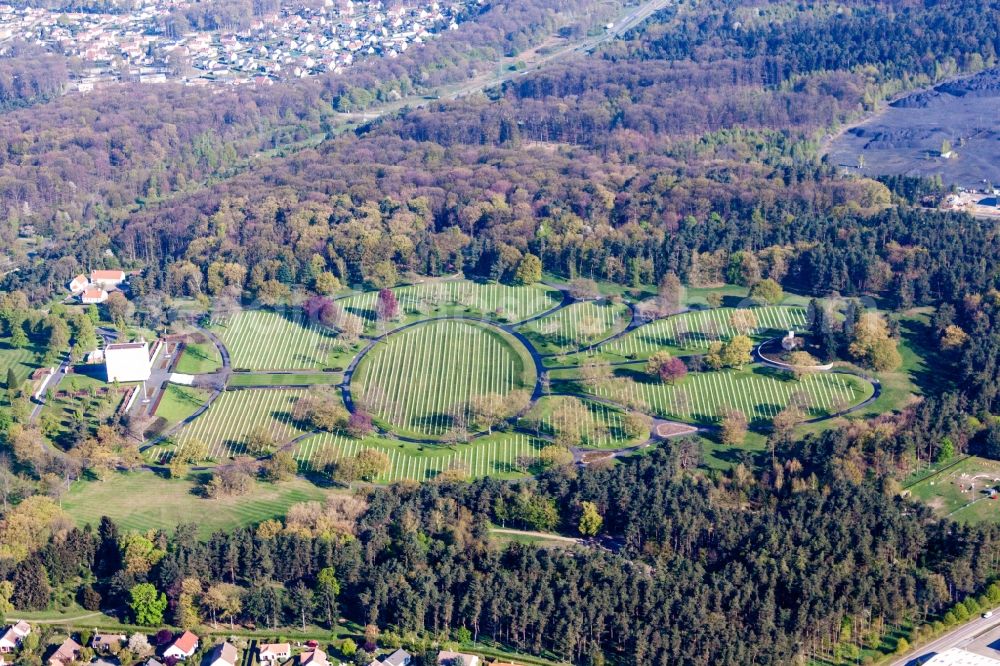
[[449, 658], [14, 636], [224, 654], [93, 296], [128, 362], [78, 284], [107, 279], [182, 648], [274, 652]]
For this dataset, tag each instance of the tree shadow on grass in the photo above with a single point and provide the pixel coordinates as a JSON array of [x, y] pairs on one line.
[[918, 334]]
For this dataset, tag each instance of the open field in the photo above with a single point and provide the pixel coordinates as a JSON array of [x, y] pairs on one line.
[[199, 358], [235, 414], [414, 378], [576, 326], [961, 491], [494, 301], [23, 361], [142, 501], [494, 455], [693, 331], [757, 391], [604, 431], [266, 340]]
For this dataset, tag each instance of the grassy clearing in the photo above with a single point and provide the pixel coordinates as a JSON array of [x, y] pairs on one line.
[[414, 378], [961, 491], [494, 455], [235, 414], [199, 358], [143, 500], [267, 340], [284, 379], [693, 331], [757, 391], [605, 431], [459, 297], [576, 326]]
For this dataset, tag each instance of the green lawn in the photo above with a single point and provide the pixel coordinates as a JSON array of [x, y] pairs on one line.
[[235, 414], [576, 325], [495, 455], [960, 491], [692, 332], [266, 340], [498, 302], [144, 500], [604, 431], [284, 379], [179, 402], [758, 391], [24, 361], [415, 378], [199, 358]]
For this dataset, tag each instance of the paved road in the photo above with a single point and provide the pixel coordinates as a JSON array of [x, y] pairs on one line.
[[959, 637]]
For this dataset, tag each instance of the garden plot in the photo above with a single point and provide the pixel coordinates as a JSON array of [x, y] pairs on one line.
[[693, 331], [604, 430], [224, 427], [758, 392], [416, 378], [266, 340], [496, 455], [495, 301], [577, 325]]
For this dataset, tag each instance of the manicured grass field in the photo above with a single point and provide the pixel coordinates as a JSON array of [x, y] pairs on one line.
[[199, 358], [143, 501], [414, 378], [235, 414], [494, 455], [24, 361], [693, 331], [266, 340], [605, 431], [179, 402], [757, 391], [494, 301], [284, 379], [961, 491], [576, 325]]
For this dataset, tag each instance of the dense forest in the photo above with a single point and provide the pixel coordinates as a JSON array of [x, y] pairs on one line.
[[731, 570]]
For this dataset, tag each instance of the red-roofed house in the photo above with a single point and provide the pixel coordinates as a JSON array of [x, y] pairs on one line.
[[107, 278], [182, 648], [93, 295], [313, 657], [79, 283]]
